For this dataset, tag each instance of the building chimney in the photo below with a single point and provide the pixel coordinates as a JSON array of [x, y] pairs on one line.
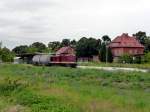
[[125, 34]]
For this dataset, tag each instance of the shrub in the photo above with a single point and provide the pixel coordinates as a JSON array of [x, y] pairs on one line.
[[125, 58], [137, 60], [6, 55], [147, 57]]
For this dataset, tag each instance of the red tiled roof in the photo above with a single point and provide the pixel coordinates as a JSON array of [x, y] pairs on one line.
[[125, 41]]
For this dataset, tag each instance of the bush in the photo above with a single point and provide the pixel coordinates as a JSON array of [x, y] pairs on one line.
[[125, 58], [137, 60], [147, 57], [6, 55]]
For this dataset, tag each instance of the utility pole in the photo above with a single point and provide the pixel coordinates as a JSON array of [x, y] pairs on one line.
[[106, 42], [106, 54]]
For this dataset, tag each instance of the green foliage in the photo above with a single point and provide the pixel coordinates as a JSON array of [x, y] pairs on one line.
[[7, 86], [31, 50], [87, 47], [141, 36], [54, 46], [65, 42], [110, 56], [82, 47], [103, 54], [126, 58], [6, 55], [20, 49], [73, 44], [137, 60], [37, 47], [106, 50], [58, 89], [143, 65], [147, 44], [147, 57], [143, 39], [39, 103], [106, 38]]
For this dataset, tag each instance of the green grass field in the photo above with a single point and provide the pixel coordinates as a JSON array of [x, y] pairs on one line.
[[101, 64], [26, 88]]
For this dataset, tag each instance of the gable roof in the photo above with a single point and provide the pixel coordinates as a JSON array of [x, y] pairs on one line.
[[125, 41], [63, 50]]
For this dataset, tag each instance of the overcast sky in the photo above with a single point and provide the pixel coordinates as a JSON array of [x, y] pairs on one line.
[[27, 21]]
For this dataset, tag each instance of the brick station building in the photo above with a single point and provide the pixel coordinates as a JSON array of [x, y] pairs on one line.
[[126, 44]]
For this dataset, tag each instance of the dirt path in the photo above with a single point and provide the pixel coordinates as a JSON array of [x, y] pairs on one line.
[[114, 68]]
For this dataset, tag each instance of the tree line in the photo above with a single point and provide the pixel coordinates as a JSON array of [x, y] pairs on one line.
[[84, 47]]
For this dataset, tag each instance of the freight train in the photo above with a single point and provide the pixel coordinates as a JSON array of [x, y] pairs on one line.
[[49, 60]]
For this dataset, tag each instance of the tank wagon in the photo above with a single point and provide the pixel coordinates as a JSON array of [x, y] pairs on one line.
[[41, 59], [50, 60]]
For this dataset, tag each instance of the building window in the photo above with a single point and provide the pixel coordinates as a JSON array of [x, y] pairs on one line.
[[116, 52], [130, 51], [135, 51]]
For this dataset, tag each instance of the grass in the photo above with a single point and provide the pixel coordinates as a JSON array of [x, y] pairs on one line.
[[26, 88], [101, 64]]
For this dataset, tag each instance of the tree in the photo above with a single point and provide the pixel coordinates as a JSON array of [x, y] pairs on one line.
[[87, 47], [143, 39], [38, 47], [109, 56], [53, 46], [65, 42], [103, 53], [82, 47], [147, 57], [93, 47], [99, 43], [20, 49], [32, 50], [106, 51], [73, 43], [106, 38], [147, 44], [141, 36], [6, 55]]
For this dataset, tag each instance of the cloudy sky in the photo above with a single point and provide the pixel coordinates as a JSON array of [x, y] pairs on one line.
[[27, 21]]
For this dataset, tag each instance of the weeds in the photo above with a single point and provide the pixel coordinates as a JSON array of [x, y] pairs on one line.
[[58, 89], [7, 86]]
